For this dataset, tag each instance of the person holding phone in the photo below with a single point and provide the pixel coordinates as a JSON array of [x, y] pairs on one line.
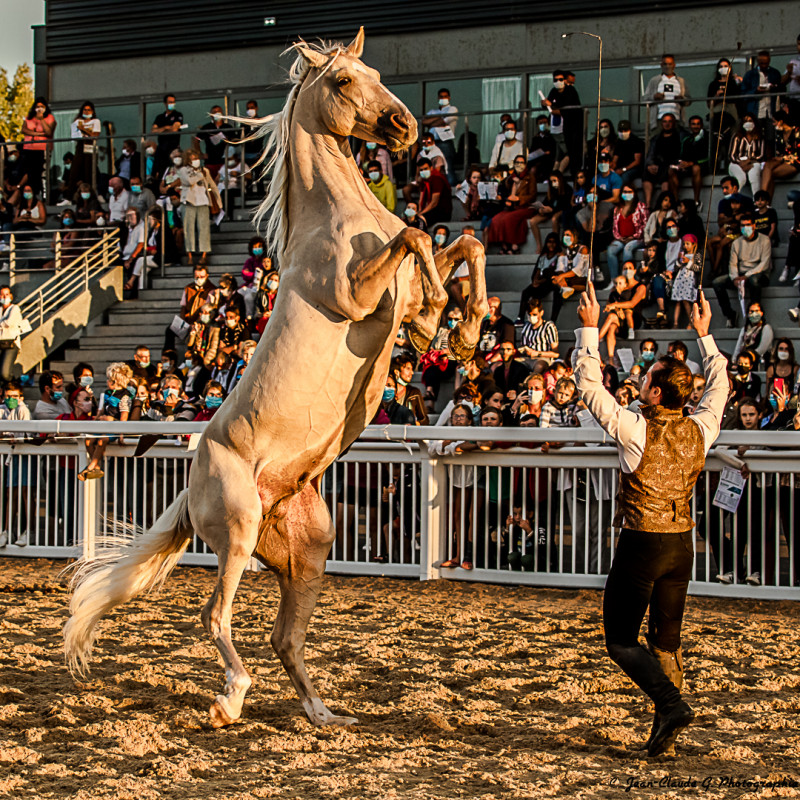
[[783, 366], [661, 454]]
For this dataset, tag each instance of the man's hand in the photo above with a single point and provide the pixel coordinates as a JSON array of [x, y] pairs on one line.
[[701, 315], [589, 308]]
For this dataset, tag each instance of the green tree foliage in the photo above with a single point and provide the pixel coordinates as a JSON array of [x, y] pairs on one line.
[[16, 99]]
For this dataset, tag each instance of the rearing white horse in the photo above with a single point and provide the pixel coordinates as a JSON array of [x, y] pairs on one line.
[[351, 273]]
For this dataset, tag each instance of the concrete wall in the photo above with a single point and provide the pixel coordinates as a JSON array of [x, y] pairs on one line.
[[638, 38]]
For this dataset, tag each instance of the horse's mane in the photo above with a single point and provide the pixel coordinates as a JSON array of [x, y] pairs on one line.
[[273, 210]]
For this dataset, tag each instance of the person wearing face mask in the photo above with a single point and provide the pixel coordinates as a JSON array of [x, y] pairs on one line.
[[607, 184], [622, 311], [430, 150], [566, 120], [129, 164], [51, 401], [213, 397], [11, 323], [232, 332], [435, 194], [265, 299], [196, 188], [38, 129], [689, 268], [664, 152], [402, 370], [203, 340], [139, 196], [647, 355], [509, 227], [745, 382], [628, 154], [118, 201], [608, 143], [195, 294], [668, 90], [14, 524], [507, 151], [756, 334], [747, 153], [543, 149], [693, 159], [85, 131], [87, 206], [783, 366], [748, 268], [437, 364], [82, 378], [539, 337], [29, 211], [381, 186], [15, 175], [721, 122], [443, 123], [213, 135], [167, 126], [257, 259], [542, 274], [469, 194], [171, 176], [227, 296], [228, 177], [413, 218], [171, 405], [628, 224], [672, 250], [572, 270], [372, 151]]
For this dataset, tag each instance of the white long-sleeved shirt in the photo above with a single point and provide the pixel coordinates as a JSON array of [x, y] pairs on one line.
[[629, 429]]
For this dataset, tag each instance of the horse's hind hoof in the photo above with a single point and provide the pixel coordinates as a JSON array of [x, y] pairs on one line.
[[219, 717], [459, 349], [420, 340]]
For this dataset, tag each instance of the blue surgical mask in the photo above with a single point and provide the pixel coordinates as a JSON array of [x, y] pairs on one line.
[[773, 401], [371, 145], [213, 402], [258, 251], [409, 213], [591, 197], [747, 231], [451, 323], [424, 174], [272, 285], [543, 127], [57, 395], [67, 221], [28, 195], [440, 238], [132, 391], [136, 189], [603, 167], [648, 355], [462, 371], [170, 106], [388, 394], [627, 196], [567, 240], [86, 195]]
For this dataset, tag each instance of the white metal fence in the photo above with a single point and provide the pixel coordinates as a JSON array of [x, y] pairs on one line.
[[516, 514]]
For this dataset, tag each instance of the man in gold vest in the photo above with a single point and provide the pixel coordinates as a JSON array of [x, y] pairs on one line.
[[661, 454]]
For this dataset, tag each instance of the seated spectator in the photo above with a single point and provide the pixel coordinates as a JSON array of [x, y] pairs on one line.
[[435, 198], [381, 186], [212, 399], [438, 365], [628, 154], [542, 276], [655, 229], [194, 296], [628, 225], [203, 340], [496, 328], [665, 150], [140, 197], [689, 221], [397, 413], [578, 200], [673, 246], [372, 151], [786, 161], [543, 150], [265, 300], [15, 175], [413, 218], [224, 371], [88, 212], [529, 402], [141, 365], [607, 184], [118, 198], [668, 90], [505, 152], [679, 350], [686, 280], [730, 211], [430, 150], [539, 338], [469, 195], [766, 219], [509, 374], [693, 161], [475, 376], [648, 348], [756, 335], [555, 372], [227, 295], [133, 254], [783, 366], [402, 370], [51, 401], [257, 259], [198, 374], [171, 406], [622, 310], [29, 211], [16, 473], [233, 331], [557, 201], [608, 143], [572, 270], [129, 163], [750, 264], [745, 382], [510, 227], [747, 153]]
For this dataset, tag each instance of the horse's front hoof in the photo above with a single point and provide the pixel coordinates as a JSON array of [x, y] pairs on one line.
[[459, 349], [420, 341]]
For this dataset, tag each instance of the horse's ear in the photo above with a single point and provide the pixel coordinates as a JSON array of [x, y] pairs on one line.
[[314, 58], [356, 47]]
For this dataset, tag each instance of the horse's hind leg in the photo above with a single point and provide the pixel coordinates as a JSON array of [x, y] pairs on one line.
[[234, 544], [305, 534]]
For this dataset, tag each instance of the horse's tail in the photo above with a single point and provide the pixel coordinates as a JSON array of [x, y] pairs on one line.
[[127, 564]]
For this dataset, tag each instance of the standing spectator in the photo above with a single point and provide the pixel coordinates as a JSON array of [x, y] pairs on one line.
[[722, 122], [214, 134], [167, 125], [766, 80], [555, 204], [85, 130], [747, 153], [38, 128], [543, 150], [693, 161], [786, 161], [665, 151], [381, 186], [668, 90], [16, 473], [252, 147], [435, 197], [749, 265], [10, 332], [195, 182], [684, 285], [566, 119], [442, 122], [628, 153], [129, 163], [791, 80], [539, 338], [630, 217], [51, 401]]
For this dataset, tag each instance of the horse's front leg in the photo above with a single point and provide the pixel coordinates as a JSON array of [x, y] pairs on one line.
[[465, 335]]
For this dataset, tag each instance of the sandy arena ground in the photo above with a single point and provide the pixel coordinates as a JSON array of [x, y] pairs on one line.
[[462, 691]]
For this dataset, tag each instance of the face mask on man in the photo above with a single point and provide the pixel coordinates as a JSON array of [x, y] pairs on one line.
[[150, 151], [603, 167], [170, 106], [57, 395], [374, 176], [509, 134], [558, 84], [424, 174], [747, 231], [136, 189], [591, 197], [205, 318], [251, 112], [624, 135], [451, 323], [67, 221], [444, 101], [12, 157], [142, 364], [543, 127], [167, 393], [743, 369], [101, 221]]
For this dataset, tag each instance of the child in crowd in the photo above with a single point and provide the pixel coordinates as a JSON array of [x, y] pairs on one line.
[[560, 410], [765, 217]]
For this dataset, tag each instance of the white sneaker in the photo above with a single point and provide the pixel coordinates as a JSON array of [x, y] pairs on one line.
[[726, 578], [3, 247], [22, 540], [598, 275], [3, 538], [754, 579], [699, 206], [794, 314], [631, 334], [796, 277], [784, 275], [63, 203]]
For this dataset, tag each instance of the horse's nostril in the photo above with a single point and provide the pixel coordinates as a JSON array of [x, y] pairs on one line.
[[399, 121]]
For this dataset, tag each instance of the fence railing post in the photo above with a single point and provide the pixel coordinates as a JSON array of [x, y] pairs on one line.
[[433, 499], [41, 308], [90, 498], [646, 130], [58, 250], [12, 257]]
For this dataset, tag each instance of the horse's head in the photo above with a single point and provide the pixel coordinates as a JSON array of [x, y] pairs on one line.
[[350, 97]]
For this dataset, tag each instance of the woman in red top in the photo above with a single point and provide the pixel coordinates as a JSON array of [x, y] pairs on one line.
[[214, 395], [37, 131], [630, 217]]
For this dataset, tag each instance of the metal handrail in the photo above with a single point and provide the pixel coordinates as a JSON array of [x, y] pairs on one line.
[[54, 293]]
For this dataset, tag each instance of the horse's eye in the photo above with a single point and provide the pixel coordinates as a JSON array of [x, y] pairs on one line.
[[342, 82]]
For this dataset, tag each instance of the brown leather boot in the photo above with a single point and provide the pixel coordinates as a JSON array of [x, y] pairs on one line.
[[672, 664]]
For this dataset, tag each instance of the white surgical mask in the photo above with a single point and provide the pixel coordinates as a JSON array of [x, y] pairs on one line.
[[536, 396], [251, 112], [424, 174], [216, 117], [624, 135], [374, 176], [509, 134], [783, 355], [410, 213], [748, 126], [151, 151], [101, 221], [444, 101], [558, 84], [723, 70], [195, 162], [177, 161]]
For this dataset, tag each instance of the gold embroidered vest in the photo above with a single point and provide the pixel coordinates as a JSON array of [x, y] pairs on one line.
[[657, 495]]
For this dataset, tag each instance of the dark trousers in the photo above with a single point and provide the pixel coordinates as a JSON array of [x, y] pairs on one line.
[[649, 569], [722, 283]]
